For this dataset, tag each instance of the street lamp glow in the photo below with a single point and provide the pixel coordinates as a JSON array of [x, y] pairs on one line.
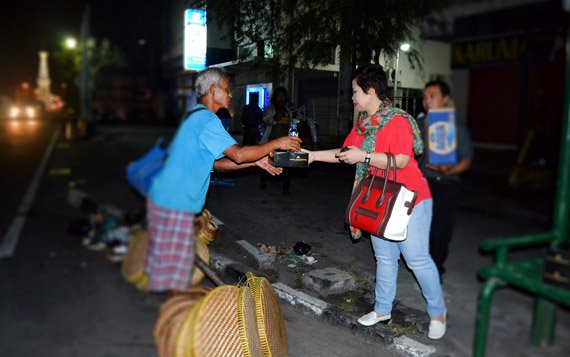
[[405, 47], [70, 43]]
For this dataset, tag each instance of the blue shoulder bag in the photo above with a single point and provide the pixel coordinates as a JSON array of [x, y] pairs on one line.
[[141, 172]]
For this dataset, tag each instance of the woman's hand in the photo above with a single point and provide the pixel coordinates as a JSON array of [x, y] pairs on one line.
[[351, 155], [311, 155], [264, 164]]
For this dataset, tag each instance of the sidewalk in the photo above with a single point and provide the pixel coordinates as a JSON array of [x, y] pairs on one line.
[[314, 215]]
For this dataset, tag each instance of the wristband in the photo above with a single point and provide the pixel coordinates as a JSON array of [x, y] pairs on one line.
[[367, 158]]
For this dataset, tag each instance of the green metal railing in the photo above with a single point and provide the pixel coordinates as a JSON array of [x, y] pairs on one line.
[[525, 275]]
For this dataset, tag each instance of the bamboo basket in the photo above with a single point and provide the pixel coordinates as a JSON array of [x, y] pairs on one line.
[[170, 315], [205, 230], [204, 227], [270, 324], [222, 324], [132, 268]]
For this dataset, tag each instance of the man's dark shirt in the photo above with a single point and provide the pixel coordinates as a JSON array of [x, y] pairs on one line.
[[251, 116]]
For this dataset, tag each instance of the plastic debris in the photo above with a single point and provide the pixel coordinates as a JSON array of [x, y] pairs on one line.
[[309, 260], [293, 258]]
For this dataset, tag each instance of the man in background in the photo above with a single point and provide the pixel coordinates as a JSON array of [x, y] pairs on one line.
[[251, 118], [444, 180]]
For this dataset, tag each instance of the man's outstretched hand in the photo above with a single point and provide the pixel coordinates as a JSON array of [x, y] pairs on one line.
[[266, 165], [288, 143]]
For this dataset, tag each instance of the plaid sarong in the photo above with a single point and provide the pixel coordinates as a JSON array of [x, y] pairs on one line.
[[170, 254]]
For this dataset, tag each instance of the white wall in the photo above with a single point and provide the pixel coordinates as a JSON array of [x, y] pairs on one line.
[[436, 59]]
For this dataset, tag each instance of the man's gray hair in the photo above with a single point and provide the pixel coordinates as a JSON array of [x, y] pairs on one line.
[[207, 78]]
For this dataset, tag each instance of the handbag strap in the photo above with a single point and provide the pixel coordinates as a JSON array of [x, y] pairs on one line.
[[390, 165], [163, 143]]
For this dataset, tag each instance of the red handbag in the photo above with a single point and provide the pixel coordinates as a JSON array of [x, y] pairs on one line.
[[380, 206]]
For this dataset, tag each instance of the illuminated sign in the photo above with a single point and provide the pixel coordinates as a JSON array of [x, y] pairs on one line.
[[195, 39], [262, 89], [488, 51]]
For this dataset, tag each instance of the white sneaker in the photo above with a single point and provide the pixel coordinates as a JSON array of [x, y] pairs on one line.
[[437, 328], [372, 318]]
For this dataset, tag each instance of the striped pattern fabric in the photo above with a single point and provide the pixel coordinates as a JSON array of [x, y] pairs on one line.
[[170, 254]]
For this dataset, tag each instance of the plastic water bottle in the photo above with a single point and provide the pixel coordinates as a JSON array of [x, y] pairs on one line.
[[293, 130]]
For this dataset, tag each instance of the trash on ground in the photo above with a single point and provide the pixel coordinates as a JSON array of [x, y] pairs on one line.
[[115, 258], [301, 248], [309, 260], [293, 258], [270, 251]]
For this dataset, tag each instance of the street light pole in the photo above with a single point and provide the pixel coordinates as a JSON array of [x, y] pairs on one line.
[[396, 74], [404, 47], [84, 77]]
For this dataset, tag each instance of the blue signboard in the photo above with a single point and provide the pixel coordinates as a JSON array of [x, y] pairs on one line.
[[195, 39], [442, 142]]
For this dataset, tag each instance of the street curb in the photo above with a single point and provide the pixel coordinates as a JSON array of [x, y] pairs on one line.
[[261, 260], [412, 347], [296, 297], [230, 270]]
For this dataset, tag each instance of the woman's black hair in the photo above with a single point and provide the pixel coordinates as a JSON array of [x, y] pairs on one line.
[[372, 76]]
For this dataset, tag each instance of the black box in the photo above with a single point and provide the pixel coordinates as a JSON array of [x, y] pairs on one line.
[[290, 159], [556, 271]]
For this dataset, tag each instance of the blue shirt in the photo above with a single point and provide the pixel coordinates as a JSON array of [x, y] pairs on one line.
[[183, 183]]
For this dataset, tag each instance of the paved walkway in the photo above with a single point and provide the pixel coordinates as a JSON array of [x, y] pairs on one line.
[[314, 214]]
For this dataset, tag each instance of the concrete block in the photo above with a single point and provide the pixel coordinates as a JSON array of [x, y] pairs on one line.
[[262, 261], [413, 347], [329, 281], [296, 297]]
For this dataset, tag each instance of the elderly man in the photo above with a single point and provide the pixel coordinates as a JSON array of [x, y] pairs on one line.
[[179, 191]]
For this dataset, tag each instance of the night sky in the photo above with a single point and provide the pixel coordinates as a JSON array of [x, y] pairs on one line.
[[32, 25]]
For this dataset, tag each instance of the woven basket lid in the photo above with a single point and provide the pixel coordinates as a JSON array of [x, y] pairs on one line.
[[203, 252], [221, 324], [270, 324], [133, 263], [171, 314]]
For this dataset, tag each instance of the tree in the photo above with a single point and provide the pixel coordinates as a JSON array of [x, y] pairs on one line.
[[304, 33], [101, 55]]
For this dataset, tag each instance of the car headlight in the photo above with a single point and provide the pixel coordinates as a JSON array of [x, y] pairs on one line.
[[14, 112], [30, 112]]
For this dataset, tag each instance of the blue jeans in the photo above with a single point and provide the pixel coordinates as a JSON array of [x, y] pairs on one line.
[[415, 250]]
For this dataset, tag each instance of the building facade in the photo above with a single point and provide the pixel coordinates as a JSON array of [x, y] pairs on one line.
[[503, 59]]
